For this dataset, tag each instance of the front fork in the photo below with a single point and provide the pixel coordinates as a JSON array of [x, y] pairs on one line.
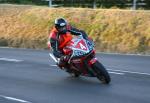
[[88, 66], [92, 61]]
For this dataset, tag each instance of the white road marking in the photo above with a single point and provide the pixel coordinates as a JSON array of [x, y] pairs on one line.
[[109, 71], [132, 72], [15, 99], [5, 47], [54, 65], [10, 60], [122, 72], [124, 54], [116, 73]]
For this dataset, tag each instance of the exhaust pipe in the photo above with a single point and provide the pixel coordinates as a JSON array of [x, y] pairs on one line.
[[53, 57]]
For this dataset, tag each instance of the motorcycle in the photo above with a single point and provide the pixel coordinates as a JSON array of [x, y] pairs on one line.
[[82, 60]]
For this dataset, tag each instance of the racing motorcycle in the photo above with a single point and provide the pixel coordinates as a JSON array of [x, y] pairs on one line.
[[82, 60]]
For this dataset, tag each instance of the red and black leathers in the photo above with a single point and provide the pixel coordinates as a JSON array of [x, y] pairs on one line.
[[58, 40]]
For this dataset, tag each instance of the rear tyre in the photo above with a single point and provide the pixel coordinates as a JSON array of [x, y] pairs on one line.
[[101, 73], [73, 73], [76, 74]]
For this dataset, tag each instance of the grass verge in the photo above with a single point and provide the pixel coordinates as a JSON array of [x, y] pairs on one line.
[[114, 30]]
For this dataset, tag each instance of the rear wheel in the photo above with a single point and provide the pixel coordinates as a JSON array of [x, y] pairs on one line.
[[76, 74], [101, 73], [73, 73]]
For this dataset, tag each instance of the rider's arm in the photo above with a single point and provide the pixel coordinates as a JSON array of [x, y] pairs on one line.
[[76, 31]]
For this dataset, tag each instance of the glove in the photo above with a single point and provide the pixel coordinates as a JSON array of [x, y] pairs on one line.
[[65, 58], [63, 61]]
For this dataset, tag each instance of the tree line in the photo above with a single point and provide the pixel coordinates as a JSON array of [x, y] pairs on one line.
[[85, 3]]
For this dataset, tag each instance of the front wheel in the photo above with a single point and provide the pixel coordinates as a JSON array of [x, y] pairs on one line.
[[101, 73]]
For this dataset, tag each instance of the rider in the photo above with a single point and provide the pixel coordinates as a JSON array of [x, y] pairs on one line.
[[59, 36]]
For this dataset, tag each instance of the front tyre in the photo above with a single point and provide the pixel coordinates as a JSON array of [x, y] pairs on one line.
[[101, 73]]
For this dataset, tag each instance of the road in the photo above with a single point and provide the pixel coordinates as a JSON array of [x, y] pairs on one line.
[[30, 76]]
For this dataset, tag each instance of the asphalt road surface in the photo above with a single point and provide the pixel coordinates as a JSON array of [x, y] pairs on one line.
[[30, 76]]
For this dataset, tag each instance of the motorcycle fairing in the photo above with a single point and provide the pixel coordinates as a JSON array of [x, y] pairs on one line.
[[80, 46]]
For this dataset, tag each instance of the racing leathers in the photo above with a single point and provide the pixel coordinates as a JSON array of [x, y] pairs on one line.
[[58, 41]]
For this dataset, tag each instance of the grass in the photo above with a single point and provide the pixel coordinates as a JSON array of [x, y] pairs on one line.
[[114, 30]]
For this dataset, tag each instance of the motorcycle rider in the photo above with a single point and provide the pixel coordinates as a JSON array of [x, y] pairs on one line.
[[59, 36]]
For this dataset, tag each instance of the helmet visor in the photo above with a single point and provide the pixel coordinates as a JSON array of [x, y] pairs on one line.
[[61, 29]]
